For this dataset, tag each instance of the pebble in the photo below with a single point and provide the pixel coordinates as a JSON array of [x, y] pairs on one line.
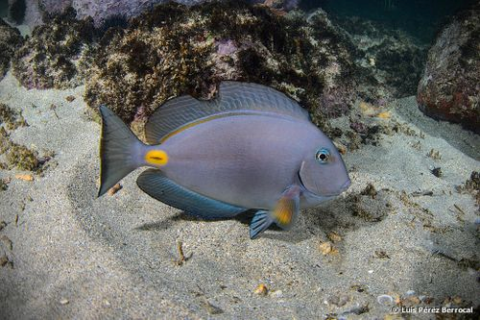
[[385, 299], [64, 301], [261, 290], [276, 294]]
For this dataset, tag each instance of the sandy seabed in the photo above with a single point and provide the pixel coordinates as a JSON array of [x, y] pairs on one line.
[[76, 256]]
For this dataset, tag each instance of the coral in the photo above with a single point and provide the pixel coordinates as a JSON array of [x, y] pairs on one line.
[[449, 89], [174, 50], [56, 55], [10, 40]]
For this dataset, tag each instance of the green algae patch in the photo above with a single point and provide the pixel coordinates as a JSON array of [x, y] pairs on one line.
[[56, 54], [11, 118], [20, 157]]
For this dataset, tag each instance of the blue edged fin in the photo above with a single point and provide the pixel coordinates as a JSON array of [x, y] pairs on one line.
[[260, 222], [158, 186], [232, 96]]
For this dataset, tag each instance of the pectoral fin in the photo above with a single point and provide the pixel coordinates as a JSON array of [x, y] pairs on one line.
[[283, 214], [287, 208]]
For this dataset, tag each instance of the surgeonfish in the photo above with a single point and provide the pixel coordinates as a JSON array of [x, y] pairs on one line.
[[252, 147]]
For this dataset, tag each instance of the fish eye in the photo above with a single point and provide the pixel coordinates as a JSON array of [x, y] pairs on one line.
[[322, 155]]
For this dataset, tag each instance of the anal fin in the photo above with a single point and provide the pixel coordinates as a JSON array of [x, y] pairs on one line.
[[158, 186]]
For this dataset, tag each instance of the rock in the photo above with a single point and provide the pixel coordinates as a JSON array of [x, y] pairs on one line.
[[175, 50], [390, 56], [449, 89], [100, 10], [10, 40], [55, 56]]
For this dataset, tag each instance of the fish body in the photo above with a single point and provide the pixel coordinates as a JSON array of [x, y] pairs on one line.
[[251, 148]]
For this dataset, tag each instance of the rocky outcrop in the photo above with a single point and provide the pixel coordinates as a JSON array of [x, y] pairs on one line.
[[99, 10], [395, 59], [174, 50], [56, 54], [10, 40], [450, 87]]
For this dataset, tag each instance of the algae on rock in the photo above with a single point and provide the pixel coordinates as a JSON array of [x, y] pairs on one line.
[[56, 54], [174, 50], [10, 40]]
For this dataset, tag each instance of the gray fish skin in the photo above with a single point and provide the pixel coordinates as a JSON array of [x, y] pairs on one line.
[[249, 160], [250, 148]]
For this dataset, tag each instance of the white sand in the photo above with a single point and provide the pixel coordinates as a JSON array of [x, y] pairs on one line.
[[79, 257]]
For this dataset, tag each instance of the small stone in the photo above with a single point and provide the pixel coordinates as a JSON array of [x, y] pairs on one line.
[[3, 260], [327, 248], [339, 301], [8, 243], [384, 115], [381, 254], [70, 98], [340, 147], [64, 301], [369, 191], [385, 299], [24, 177], [334, 237], [393, 317], [457, 300], [413, 300], [210, 308], [114, 189], [261, 290], [276, 294], [434, 154]]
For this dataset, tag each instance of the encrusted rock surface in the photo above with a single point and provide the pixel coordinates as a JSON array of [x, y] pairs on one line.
[[10, 40], [99, 10], [450, 87], [56, 55], [172, 51], [395, 59]]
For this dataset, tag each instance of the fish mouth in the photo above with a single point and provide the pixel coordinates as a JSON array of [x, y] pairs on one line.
[[344, 187]]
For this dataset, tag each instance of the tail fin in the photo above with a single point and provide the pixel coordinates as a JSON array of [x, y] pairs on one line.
[[120, 150]]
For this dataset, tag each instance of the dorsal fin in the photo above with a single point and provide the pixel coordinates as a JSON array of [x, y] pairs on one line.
[[232, 96]]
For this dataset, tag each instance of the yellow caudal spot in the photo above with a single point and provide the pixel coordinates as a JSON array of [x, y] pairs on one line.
[[156, 157]]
